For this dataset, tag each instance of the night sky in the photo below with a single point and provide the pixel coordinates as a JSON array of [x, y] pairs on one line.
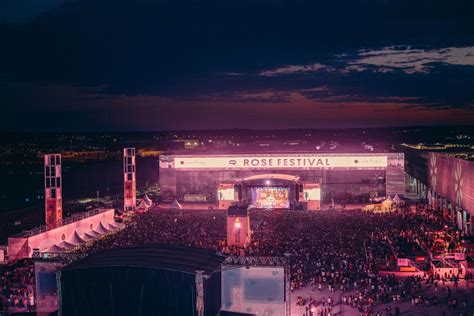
[[131, 65]]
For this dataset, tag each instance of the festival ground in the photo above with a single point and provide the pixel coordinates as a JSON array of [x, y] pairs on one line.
[[463, 292]]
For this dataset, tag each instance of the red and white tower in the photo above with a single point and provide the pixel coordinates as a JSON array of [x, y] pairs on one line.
[[53, 189], [130, 180]]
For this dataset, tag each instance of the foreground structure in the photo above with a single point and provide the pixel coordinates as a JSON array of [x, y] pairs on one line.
[[129, 180], [53, 190], [143, 280], [73, 232]]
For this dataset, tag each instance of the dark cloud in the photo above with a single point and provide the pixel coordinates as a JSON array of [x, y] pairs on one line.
[[92, 53]]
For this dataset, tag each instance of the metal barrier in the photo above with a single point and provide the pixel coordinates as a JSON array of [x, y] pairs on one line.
[[255, 261]]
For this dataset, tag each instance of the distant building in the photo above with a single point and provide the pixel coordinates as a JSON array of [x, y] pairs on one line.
[[444, 177]]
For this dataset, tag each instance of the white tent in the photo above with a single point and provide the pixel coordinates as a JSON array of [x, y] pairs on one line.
[[55, 248], [398, 200], [175, 205], [76, 239], [141, 205], [147, 201], [93, 233], [65, 245], [101, 229], [114, 225], [88, 236], [144, 204]]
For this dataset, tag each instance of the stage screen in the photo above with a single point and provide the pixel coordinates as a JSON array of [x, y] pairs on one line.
[[255, 290], [312, 194], [270, 197], [225, 193]]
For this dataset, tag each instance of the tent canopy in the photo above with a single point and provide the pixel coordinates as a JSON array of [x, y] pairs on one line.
[[93, 233], [65, 245], [397, 199], [55, 248], [116, 225], [148, 201], [87, 237], [101, 229], [142, 205], [76, 239], [176, 205]]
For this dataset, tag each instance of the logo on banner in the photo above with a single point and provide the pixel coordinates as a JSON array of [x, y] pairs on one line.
[[287, 162]]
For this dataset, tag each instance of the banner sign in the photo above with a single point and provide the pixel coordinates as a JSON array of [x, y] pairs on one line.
[[282, 162], [195, 198], [459, 256], [403, 262], [407, 269]]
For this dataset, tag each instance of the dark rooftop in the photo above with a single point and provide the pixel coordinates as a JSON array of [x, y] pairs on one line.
[[166, 257]]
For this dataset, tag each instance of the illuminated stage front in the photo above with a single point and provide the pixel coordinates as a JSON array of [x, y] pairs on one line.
[[283, 180], [270, 197], [269, 191]]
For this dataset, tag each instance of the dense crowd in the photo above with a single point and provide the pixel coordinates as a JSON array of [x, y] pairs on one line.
[[337, 251], [204, 229], [17, 286], [351, 252]]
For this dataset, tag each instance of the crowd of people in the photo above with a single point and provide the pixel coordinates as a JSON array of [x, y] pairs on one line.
[[350, 254], [17, 284]]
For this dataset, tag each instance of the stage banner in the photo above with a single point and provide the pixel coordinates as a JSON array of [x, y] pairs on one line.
[[283, 162], [194, 197]]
